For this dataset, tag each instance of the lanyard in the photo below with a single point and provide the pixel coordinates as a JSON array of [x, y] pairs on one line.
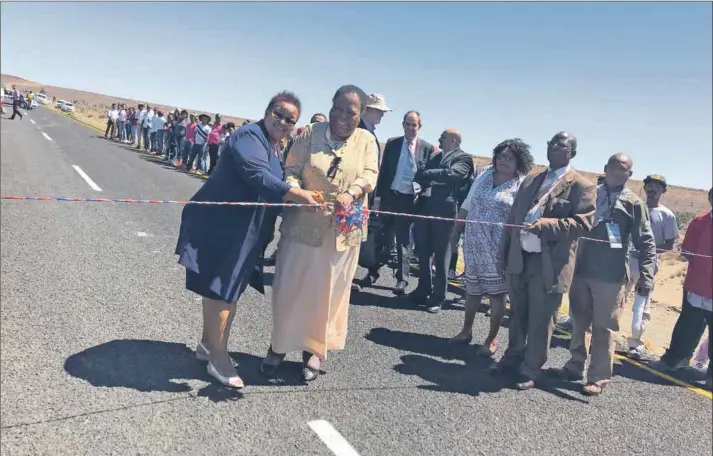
[[611, 205]]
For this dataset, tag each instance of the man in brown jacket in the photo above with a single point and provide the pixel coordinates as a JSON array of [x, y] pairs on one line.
[[557, 206]]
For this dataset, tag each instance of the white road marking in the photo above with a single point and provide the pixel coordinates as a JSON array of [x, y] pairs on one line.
[[332, 438], [33, 122], [46, 136], [141, 234], [88, 179]]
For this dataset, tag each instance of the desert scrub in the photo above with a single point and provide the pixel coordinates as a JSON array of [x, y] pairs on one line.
[[683, 219]]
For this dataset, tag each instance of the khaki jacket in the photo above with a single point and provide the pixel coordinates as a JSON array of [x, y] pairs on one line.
[[307, 165], [568, 213]]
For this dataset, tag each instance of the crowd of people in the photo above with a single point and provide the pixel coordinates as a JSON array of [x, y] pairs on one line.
[[188, 141], [528, 237]]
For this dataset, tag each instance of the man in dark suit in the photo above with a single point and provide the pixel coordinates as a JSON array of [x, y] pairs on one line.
[[395, 193], [556, 206], [440, 180]]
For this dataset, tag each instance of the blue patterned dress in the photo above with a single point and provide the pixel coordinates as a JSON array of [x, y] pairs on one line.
[[480, 246]]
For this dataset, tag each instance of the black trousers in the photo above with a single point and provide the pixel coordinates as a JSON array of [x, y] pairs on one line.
[[433, 238], [213, 154], [109, 129], [687, 333], [15, 111], [399, 227]]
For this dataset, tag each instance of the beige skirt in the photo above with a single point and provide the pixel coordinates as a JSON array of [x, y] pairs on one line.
[[310, 296]]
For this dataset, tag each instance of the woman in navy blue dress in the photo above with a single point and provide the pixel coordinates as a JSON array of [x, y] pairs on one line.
[[220, 246]]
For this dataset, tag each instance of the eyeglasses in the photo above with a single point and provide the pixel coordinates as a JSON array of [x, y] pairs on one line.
[[279, 116], [332, 171]]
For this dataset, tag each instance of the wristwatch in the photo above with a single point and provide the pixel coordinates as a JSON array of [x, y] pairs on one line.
[[352, 194]]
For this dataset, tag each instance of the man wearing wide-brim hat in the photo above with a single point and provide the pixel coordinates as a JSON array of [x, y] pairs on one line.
[[375, 109]]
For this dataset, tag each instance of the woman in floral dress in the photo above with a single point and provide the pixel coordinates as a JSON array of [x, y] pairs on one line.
[[490, 198]]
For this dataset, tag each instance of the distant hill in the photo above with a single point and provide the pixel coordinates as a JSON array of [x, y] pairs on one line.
[[92, 107]]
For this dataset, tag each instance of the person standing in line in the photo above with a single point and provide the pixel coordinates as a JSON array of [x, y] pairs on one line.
[[146, 127], [556, 206], [112, 115], [168, 138], [179, 137], [697, 307], [121, 124], [213, 141], [15, 103], [201, 132], [140, 119], [157, 131], [489, 200], [665, 229], [437, 182], [597, 293], [130, 125], [189, 139]]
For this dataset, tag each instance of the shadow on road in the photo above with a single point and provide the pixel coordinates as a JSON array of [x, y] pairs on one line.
[[146, 366], [469, 377]]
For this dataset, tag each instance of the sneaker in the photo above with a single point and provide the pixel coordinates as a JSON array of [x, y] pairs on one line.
[[635, 353]]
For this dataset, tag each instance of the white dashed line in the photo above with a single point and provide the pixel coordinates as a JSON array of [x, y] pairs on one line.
[[332, 438], [46, 136], [88, 179], [141, 234], [33, 122]]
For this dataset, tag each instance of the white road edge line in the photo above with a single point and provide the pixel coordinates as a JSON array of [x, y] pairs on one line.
[[46, 136], [332, 438], [33, 122], [88, 179]]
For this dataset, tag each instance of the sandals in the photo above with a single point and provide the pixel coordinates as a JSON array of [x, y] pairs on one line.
[[309, 373], [271, 363], [592, 389]]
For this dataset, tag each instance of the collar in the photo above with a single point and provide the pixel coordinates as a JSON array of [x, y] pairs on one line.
[[369, 126], [560, 171]]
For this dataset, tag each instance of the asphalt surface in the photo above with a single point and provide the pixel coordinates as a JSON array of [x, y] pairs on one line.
[[98, 333]]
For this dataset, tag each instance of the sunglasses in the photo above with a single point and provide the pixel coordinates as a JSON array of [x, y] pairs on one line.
[[332, 171], [286, 119]]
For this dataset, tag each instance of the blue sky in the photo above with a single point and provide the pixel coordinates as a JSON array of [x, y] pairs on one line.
[[623, 77]]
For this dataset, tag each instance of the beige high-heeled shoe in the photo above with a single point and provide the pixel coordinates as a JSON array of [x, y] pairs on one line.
[[203, 354], [231, 382]]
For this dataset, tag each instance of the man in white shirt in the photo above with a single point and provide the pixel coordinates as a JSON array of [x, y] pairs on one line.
[[140, 126], [112, 117], [157, 133], [148, 121], [665, 229], [121, 123]]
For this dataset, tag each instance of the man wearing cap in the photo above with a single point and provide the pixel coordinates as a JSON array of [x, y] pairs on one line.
[[601, 275], [395, 192], [375, 109], [665, 229]]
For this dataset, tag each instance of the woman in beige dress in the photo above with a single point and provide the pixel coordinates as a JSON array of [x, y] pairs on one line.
[[315, 261]]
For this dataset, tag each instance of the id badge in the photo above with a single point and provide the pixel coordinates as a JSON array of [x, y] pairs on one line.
[[614, 236]]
